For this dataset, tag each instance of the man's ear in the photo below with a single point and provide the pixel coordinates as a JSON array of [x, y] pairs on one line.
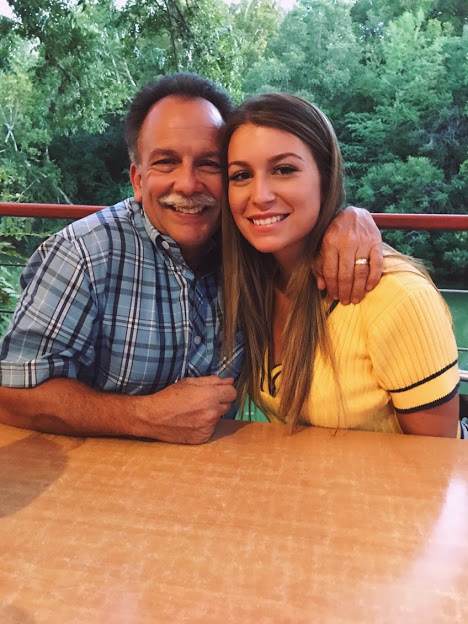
[[135, 179]]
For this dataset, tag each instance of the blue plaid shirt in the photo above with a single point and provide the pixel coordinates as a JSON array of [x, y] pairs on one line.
[[110, 301]]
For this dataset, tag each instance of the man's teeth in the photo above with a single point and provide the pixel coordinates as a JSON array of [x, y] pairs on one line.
[[269, 220], [186, 210]]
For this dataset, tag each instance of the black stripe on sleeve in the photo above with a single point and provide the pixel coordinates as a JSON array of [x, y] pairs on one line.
[[435, 403], [422, 381]]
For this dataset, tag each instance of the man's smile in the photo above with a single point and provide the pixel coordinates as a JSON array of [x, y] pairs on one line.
[[185, 209], [194, 205]]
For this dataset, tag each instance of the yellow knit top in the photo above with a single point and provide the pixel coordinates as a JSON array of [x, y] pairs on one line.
[[395, 352]]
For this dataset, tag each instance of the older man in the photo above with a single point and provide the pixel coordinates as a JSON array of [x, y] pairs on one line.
[[117, 330]]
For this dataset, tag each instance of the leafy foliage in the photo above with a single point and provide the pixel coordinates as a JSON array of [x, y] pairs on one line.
[[391, 74]]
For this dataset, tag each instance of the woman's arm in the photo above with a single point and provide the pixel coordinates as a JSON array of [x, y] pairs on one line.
[[435, 421], [414, 353]]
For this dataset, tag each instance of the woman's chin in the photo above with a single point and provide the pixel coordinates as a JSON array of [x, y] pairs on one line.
[[266, 248]]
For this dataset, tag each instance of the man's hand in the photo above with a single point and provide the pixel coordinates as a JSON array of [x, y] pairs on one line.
[[186, 412], [351, 235]]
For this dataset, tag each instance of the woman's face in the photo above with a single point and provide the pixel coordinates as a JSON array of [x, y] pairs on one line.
[[274, 190]]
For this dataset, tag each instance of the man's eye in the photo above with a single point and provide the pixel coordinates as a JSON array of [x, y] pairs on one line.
[[285, 169], [163, 163], [239, 176], [211, 166]]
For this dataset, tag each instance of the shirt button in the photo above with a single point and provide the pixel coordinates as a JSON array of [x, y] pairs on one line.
[[165, 245], [197, 340]]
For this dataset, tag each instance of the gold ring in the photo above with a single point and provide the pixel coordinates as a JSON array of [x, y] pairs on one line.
[[361, 261]]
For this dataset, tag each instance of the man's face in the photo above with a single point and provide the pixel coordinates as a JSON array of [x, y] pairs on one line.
[[178, 177]]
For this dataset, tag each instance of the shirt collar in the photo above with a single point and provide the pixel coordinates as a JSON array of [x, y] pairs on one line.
[[170, 248]]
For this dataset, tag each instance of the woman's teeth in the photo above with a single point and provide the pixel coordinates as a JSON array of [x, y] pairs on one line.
[[268, 220]]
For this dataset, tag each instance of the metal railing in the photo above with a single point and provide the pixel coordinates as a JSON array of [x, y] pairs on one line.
[[447, 222], [383, 220]]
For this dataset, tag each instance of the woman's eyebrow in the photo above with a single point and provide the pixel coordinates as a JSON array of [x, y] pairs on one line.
[[284, 155], [272, 160], [240, 163]]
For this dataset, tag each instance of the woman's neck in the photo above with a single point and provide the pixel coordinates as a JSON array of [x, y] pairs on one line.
[[288, 259], [285, 270]]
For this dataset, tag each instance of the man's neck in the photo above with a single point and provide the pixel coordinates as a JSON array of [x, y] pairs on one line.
[[202, 261]]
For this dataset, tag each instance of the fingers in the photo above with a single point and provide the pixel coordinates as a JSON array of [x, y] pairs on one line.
[[317, 268], [211, 390], [330, 271], [226, 394], [209, 380], [367, 276], [346, 274], [225, 381], [360, 278], [375, 266], [321, 283], [352, 234], [354, 280]]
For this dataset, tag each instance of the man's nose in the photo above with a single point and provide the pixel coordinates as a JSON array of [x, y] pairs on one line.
[[186, 181], [262, 192]]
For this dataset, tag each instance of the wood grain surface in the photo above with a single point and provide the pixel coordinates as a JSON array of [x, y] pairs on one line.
[[254, 527]]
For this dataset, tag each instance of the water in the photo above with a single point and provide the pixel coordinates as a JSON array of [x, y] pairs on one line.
[[458, 304]]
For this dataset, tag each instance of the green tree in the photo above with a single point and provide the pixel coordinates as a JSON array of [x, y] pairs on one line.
[[405, 92], [315, 54], [391, 74]]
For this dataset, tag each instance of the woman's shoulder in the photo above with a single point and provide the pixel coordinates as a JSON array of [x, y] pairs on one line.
[[401, 277], [402, 285]]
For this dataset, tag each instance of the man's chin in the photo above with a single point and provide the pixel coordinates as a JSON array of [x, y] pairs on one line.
[[192, 234]]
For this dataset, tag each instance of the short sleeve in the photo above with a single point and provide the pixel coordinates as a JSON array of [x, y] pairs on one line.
[[53, 328], [413, 349]]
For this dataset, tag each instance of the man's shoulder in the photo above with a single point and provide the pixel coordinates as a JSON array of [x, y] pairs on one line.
[[105, 236], [103, 244], [104, 224]]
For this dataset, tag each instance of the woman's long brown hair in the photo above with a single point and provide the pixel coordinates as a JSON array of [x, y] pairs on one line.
[[249, 276]]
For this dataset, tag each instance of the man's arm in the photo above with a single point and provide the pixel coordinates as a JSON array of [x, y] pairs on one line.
[[186, 412], [351, 235]]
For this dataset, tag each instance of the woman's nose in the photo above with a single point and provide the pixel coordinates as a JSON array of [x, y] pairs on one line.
[[262, 194]]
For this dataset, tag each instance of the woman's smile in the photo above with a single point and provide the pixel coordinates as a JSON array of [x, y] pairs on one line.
[[267, 220]]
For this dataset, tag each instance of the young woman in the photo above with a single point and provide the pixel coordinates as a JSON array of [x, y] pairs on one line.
[[388, 363]]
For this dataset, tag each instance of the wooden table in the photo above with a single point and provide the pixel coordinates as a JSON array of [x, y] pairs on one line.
[[253, 527]]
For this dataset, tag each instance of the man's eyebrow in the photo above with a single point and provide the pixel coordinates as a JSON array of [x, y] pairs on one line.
[[157, 152], [271, 160], [211, 154]]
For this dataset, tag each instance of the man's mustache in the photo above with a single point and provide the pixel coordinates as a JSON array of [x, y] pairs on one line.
[[195, 201]]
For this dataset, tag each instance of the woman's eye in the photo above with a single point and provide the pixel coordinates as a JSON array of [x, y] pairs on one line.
[[239, 176], [285, 169]]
